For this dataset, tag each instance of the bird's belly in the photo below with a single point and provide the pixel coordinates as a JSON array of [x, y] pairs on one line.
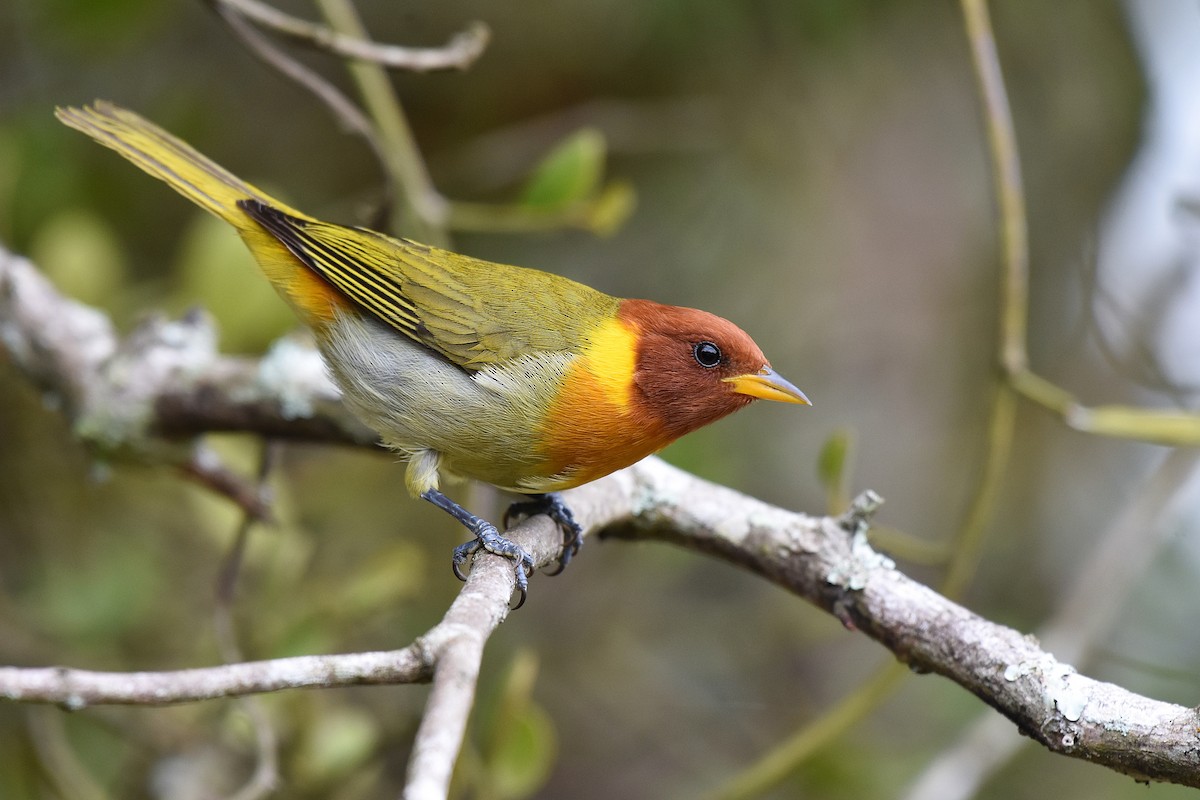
[[483, 425]]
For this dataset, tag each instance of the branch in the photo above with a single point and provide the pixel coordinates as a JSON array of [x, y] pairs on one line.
[[348, 115], [420, 209], [165, 380], [815, 558], [70, 350], [1100, 588], [459, 53]]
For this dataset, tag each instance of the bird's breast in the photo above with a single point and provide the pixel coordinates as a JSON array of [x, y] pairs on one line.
[[596, 424]]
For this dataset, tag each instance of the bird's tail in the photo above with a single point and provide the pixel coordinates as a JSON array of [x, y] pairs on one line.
[[195, 176], [215, 189]]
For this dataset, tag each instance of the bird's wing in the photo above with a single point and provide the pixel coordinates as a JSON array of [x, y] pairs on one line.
[[473, 312]]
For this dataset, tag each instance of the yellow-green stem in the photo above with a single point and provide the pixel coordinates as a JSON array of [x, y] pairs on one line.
[[1014, 292], [971, 537], [1006, 174], [420, 211]]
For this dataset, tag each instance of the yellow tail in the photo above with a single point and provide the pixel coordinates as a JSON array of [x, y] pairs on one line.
[[196, 177], [214, 189]]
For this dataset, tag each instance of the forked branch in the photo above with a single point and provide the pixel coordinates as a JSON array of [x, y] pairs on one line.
[[71, 351]]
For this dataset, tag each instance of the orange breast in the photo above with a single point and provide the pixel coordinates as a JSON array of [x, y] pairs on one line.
[[596, 424]]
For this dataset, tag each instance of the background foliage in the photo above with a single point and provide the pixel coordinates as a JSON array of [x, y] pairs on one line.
[[814, 170]]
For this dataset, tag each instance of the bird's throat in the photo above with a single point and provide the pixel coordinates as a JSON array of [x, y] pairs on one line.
[[610, 357], [596, 424]]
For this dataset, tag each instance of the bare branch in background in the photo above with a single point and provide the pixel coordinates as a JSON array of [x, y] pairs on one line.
[[343, 109], [459, 53], [205, 467], [265, 778]]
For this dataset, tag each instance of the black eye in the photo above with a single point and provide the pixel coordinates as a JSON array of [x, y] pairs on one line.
[[707, 354]]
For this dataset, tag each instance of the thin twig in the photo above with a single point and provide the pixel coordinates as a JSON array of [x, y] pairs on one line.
[[463, 49], [1014, 294], [1006, 174], [517, 218], [265, 778], [420, 209], [348, 115], [76, 689], [205, 468]]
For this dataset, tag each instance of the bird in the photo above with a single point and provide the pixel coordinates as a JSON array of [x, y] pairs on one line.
[[512, 376]]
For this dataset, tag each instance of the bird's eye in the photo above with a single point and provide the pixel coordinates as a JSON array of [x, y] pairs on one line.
[[707, 354]]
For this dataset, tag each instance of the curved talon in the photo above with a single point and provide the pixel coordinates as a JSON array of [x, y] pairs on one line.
[[463, 554], [487, 537], [524, 570], [570, 549], [514, 510], [551, 505]]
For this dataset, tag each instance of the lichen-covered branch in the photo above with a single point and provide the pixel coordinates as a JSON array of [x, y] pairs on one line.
[[71, 352], [165, 380], [818, 559]]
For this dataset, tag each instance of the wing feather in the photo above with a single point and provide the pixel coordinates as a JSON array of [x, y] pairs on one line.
[[475, 313]]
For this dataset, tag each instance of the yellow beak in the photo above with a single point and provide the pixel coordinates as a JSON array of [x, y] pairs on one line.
[[767, 384]]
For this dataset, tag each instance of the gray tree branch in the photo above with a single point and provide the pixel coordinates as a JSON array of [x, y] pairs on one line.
[[70, 351]]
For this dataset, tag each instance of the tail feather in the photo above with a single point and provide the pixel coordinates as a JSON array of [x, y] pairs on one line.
[[168, 158], [215, 189]]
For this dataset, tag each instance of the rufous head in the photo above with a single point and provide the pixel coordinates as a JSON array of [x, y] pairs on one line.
[[693, 367]]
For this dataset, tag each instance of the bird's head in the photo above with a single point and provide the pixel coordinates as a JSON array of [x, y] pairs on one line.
[[693, 368]]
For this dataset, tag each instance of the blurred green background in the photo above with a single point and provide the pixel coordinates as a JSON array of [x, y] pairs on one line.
[[814, 170]]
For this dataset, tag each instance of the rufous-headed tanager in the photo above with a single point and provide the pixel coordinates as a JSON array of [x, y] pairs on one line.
[[523, 379]]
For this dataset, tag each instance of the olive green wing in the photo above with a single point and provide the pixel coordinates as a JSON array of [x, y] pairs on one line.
[[473, 312]]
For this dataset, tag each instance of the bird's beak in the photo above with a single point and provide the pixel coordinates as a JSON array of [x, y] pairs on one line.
[[767, 384]]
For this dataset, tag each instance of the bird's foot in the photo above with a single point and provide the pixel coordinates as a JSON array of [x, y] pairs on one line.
[[487, 538], [552, 505]]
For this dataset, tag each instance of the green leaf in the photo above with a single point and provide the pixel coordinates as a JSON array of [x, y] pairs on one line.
[[833, 469], [831, 461], [608, 212], [568, 174]]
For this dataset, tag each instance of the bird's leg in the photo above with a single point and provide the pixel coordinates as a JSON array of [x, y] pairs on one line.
[[487, 537], [552, 505]]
